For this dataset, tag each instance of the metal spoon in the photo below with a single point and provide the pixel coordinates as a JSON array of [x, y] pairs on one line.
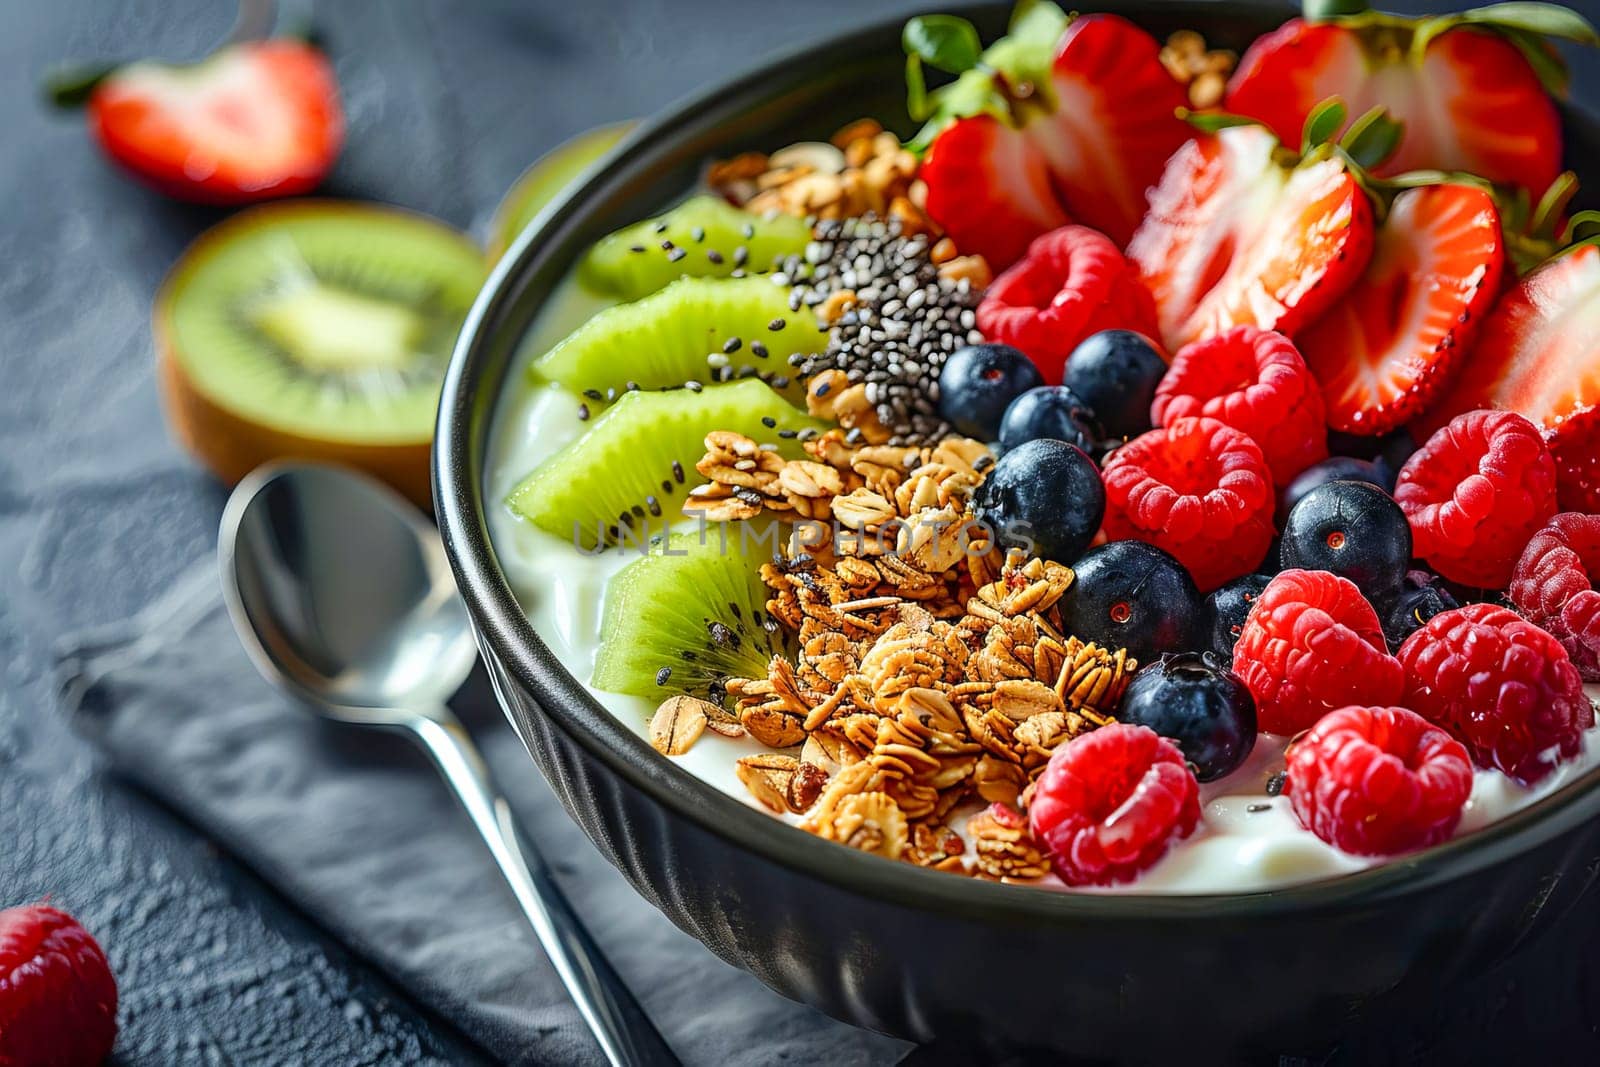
[[342, 595]]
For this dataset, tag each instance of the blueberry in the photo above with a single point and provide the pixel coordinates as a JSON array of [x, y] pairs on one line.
[[1337, 469], [1116, 373], [1197, 704], [1420, 597], [1226, 610], [1051, 412], [1128, 594], [1353, 529], [979, 382], [1043, 496]]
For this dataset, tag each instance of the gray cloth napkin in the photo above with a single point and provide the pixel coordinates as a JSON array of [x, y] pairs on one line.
[[358, 830]]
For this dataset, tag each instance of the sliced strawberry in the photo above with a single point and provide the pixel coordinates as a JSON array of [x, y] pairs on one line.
[[1384, 351], [252, 121], [1235, 237], [1114, 123], [1537, 355], [1469, 97], [989, 188], [1065, 119]]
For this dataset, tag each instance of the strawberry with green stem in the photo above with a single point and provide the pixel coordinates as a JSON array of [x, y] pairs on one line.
[[1066, 119], [1245, 231], [1474, 89]]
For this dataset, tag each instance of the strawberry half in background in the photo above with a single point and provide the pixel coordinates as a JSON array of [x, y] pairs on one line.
[[58, 999], [252, 121], [1066, 119], [1473, 89]]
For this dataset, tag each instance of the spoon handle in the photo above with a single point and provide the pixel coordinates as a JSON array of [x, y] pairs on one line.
[[625, 1033]]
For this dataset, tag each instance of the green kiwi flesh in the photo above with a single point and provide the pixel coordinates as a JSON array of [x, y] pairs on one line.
[[700, 238], [630, 473], [683, 618], [332, 321], [664, 339]]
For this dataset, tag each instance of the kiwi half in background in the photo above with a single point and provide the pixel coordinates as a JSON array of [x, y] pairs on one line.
[[541, 183], [314, 330], [685, 619]]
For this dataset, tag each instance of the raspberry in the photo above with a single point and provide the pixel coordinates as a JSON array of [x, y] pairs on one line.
[[1312, 643], [1198, 489], [1475, 493], [1377, 781], [1072, 283], [58, 1001], [1110, 802], [1501, 685], [1554, 587], [1255, 381]]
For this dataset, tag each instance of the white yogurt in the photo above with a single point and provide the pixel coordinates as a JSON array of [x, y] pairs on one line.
[[1246, 842]]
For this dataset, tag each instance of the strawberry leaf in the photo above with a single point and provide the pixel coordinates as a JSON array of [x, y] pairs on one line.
[[1372, 138], [70, 86], [1542, 20], [1323, 124], [943, 42], [1213, 121], [1328, 10]]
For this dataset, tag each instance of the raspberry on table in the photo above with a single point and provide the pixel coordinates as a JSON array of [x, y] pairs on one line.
[[1475, 493], [58, 1000], [1073, 282], [1198, 489], [1111, 802], [1554, 586], [1311, 644], [1255, 381], [1378, 781], [1501, 685]]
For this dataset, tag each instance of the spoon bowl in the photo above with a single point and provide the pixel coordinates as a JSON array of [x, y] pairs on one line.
[[345, 589], [341, 594]]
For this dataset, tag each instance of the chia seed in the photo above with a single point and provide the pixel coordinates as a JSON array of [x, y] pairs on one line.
[[675, 255], [714, 256], [663, 675], [758, 350], [731, 345], [905, 323], [1275, 784], [583, 412]]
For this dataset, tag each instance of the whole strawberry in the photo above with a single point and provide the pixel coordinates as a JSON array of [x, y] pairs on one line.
[[1504, 687], [58, 1000]]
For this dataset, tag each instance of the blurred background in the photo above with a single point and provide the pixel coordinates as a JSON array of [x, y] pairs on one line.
[[446, 103]]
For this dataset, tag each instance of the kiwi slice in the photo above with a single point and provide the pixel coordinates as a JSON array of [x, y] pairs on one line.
[[631, 472], [545, 180], [317, 330], [666, 338], [703, 237], [684, 618]]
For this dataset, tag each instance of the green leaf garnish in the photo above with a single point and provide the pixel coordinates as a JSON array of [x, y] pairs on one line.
[[943, 42]]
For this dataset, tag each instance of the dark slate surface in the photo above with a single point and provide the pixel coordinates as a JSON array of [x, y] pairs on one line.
[[98, 512]]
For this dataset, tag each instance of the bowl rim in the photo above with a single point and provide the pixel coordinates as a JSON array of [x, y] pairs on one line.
[[506, 635]]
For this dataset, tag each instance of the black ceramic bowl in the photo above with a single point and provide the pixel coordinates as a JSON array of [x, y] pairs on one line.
[[895, 948]]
